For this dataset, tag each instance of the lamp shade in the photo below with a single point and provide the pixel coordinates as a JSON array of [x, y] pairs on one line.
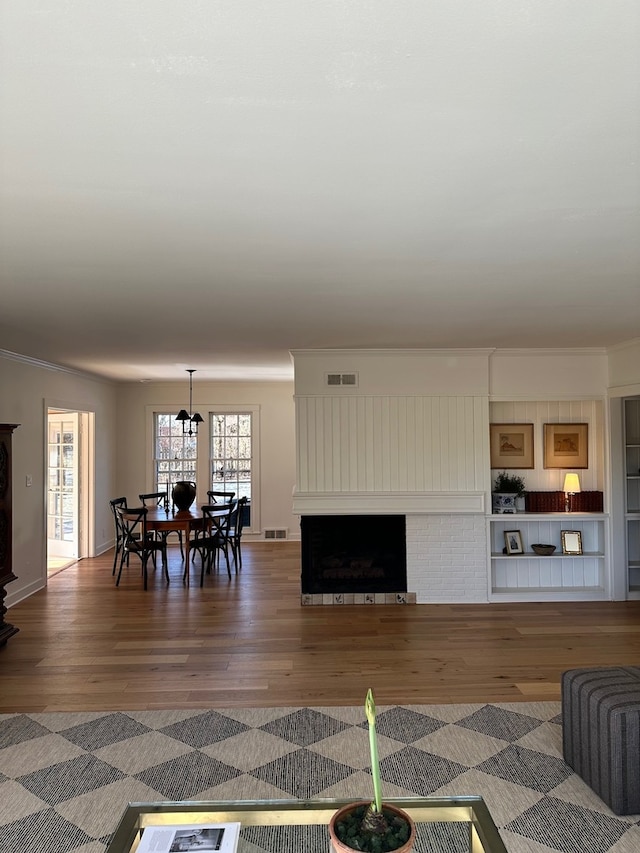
[[571, 484]]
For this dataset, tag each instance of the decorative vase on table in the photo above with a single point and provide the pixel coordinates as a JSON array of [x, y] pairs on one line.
[[183, 494]]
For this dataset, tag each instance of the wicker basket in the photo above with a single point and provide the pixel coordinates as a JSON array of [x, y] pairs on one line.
[[543, 550]]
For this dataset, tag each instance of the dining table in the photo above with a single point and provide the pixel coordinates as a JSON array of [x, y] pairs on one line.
[[182, 520]]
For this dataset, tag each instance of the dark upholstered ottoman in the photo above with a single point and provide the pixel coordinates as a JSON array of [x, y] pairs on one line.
[[601, 732]]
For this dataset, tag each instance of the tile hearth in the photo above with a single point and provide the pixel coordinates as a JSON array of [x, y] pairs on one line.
[[339, 598]]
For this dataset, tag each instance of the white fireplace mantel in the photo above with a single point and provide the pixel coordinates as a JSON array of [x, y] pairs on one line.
[[388, 503]]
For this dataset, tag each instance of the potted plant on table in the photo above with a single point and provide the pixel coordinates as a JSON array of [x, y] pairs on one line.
[[372, 827], [506, 488]]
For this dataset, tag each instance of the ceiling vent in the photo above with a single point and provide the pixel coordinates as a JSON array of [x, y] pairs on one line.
[[342, 379], [273, 533]]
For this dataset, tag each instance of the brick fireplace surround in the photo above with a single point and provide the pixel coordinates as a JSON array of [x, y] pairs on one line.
[[446, 552]]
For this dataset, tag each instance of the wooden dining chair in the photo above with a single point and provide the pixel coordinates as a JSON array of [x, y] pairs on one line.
[[119, 535], [212, 539], [137, 541], [234, 535], [161, 499]]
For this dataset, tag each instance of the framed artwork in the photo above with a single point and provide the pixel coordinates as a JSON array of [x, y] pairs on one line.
[[566, 445], [571, 541], [513, 542], [511, 445]]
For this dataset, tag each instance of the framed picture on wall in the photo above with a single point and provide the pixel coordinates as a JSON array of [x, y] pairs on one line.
[[511, 445], [513, 542], [566, 445]]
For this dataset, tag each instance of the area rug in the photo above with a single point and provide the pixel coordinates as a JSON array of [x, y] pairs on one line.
[[66, 778]]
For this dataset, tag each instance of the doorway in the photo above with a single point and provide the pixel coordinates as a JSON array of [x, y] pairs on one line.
[[67, 488]]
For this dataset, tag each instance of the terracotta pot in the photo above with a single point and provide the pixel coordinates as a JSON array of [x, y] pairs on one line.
[[183, 494], [341, 847]]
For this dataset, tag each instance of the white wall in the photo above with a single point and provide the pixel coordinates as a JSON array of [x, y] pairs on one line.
[[451, 373], [624, 369], [137, 401], [419, 422], [28, 387], [548, 374]]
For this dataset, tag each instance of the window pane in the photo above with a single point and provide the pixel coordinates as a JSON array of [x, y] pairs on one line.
[[231, 452], [175, 453]]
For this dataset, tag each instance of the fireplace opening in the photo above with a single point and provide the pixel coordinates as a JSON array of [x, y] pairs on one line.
[[353, 553]]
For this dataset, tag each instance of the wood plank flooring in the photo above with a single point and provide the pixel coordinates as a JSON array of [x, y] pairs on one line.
[[86, 645]]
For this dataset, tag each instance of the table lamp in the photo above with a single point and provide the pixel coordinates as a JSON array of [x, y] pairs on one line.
[[570, 488]]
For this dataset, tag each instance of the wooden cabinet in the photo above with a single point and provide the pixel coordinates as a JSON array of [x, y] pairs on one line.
[[6, 563], [632, 492]]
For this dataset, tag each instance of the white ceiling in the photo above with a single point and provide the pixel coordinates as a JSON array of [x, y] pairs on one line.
[[211, 183]]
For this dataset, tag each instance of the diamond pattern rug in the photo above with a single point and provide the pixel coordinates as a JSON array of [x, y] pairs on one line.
[[66, 778]]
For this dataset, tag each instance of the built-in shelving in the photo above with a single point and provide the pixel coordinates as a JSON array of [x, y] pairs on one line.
[[530, 576], [632, 492]]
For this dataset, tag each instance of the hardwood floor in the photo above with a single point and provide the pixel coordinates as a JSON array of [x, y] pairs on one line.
[[86, 645]]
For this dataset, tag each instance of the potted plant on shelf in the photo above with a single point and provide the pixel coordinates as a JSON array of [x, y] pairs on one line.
[[506, 489], [374, 826]]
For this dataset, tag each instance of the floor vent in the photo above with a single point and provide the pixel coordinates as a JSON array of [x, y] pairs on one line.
[[342, 379], [275, 533]]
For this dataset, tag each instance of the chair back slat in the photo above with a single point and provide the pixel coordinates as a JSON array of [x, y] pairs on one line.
[[134, 525], [225, 497], [155, 499]]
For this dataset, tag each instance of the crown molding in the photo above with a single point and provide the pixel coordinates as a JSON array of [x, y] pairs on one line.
[[634, 342], [56, 368], [417, 353], [545, 353]]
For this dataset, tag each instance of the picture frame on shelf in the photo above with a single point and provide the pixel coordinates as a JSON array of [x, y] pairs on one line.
[[571, 541], [566, 445], [511, 445], [513, 542]]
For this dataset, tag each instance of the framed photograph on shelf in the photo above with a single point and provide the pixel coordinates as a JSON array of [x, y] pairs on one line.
[[571, 541], [513, 542], [511, 445], [566, 445]]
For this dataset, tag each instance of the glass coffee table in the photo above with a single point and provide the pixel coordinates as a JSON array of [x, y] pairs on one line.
[[444, 824]]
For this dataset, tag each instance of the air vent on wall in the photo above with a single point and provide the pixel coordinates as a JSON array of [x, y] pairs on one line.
[[342, 379], [275, 533]]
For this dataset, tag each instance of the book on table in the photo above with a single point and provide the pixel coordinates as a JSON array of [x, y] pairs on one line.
[[219, 837]]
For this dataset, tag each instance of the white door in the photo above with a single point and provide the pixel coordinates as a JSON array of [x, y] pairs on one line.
[[63, 486]]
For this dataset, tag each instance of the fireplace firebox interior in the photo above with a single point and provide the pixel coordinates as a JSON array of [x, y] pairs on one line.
[[353, 553]]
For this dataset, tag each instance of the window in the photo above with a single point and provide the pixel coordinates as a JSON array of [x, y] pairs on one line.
[[175, 454], [225, 456], [231, 452]]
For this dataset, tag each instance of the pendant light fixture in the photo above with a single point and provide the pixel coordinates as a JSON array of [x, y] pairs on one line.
[[187, 418]]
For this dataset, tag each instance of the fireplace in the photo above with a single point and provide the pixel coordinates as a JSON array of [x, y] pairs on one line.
[[353, 553]]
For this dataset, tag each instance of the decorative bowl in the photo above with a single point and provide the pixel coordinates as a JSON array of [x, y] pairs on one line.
[[543, 550]]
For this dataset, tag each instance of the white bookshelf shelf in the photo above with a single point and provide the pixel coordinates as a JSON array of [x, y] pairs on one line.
[[558, 576]]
